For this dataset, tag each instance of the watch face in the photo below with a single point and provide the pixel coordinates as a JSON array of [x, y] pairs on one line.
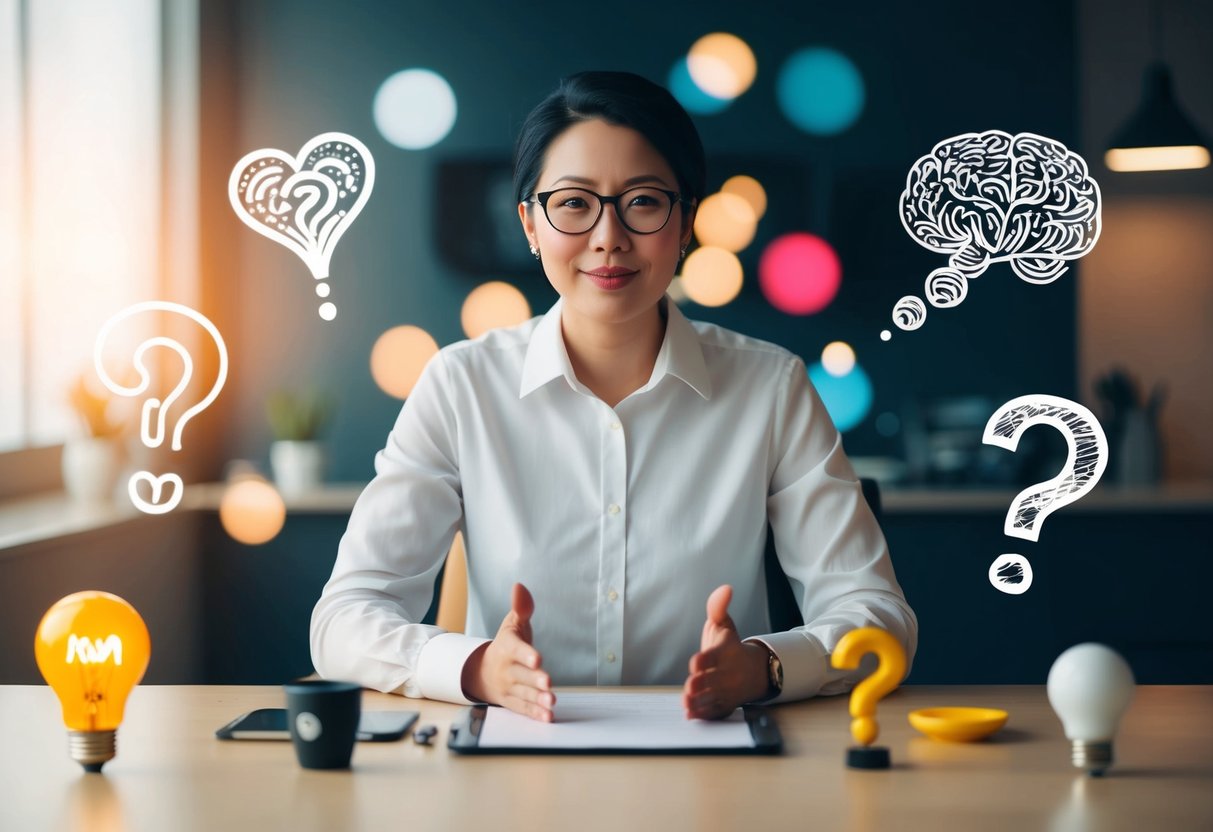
[[775, 668]]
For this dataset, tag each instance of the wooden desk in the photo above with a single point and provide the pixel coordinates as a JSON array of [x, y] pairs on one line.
[[172, 774]]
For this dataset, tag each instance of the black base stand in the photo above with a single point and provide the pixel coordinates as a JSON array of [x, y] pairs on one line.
[[868, 757]]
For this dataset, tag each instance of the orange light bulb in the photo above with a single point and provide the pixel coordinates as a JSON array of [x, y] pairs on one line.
[[92, 649]]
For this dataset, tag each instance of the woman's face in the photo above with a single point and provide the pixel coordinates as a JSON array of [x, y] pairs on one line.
[[607, 159]]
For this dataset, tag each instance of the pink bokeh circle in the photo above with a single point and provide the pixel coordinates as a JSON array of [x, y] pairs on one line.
[[799, 273]]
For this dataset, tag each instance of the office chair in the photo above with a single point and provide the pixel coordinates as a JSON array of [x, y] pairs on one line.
[[785, 614]]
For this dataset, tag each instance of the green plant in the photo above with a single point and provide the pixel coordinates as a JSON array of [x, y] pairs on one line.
[[299, 417], [93, 410]]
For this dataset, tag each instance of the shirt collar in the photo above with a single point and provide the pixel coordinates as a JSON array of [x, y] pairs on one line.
[[680, 355]]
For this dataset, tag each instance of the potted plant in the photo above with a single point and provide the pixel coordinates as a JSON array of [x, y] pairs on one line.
[[92, 460], [297, 455]]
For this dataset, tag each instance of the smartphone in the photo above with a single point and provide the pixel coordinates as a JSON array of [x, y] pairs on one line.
[[270, 724]]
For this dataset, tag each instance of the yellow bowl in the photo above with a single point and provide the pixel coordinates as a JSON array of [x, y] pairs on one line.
[[958, 724]]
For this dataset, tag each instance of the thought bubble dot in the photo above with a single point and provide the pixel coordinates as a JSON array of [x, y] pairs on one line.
[[323, 289], [711, 276], [820, 91], [491, 306], [726, 221], [399, 356], [749, 189], [799, 273], [1011, 573], [688, 93], [328, 311], [847, 398], [414, 108], [838, 358], [946, 287], [885, 335], [909, 313], [722, 65], [252, 511]]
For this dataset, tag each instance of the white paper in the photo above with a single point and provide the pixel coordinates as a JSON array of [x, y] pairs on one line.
[[612, 719]]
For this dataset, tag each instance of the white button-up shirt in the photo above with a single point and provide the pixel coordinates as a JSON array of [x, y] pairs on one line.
[[620, 521]]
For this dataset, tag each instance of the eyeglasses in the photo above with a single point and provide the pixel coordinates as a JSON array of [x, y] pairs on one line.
[[575, 210]]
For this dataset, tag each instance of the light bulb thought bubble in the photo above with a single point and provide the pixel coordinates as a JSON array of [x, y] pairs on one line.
[[305, 202], [991, 197], [155, 412], [1086, 460]]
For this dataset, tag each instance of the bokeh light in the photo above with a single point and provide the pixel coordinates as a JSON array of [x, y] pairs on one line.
[[838, 358], [722, 65], [749, 189], [252, 511], [689, 95], [820, 91], [888, 424], [399, 356], [711, 276], [493, 305], [799, 273], [676, 292], [847, 398], [726, 221], [415, 108]]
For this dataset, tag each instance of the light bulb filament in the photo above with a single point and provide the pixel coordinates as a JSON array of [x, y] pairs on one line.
[[94, 652]]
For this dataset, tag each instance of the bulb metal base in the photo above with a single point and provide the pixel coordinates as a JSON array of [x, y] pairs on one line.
[[92, 749], [1093, 757]]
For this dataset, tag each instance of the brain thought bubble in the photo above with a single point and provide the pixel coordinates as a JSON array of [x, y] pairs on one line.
[[989, 197]]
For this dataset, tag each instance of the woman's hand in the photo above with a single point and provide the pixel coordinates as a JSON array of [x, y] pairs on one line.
[[508, 670], [726, 672]]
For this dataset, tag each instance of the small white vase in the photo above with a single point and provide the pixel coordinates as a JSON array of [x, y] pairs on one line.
[[90, 468], [298, 466]]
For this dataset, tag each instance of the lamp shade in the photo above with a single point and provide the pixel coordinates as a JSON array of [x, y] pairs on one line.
[[1159, 136]]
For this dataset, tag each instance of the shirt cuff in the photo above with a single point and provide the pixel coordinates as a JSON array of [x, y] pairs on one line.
[[440, 666], [804, 660]]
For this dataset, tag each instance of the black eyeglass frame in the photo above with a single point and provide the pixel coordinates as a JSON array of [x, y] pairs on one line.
[[542, 197]]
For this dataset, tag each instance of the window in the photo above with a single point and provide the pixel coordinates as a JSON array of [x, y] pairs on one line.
[[81, 194]]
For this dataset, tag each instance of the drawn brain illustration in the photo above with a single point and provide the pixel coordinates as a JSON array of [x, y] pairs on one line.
[[988, 197]]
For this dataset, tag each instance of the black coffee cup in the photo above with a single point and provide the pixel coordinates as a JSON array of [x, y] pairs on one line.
[[323, 720]]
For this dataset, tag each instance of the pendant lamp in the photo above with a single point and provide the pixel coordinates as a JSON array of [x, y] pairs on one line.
[[1159, 136]]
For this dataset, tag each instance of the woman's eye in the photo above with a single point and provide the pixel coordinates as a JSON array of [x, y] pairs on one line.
[[573, 202], [644, 201]]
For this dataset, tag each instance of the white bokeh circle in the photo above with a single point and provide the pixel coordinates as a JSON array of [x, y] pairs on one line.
[[415, 108]]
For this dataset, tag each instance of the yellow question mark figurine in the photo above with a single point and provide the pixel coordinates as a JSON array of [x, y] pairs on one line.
[[850, 649]]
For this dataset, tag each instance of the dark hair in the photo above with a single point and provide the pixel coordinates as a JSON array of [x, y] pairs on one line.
[[619, 98]]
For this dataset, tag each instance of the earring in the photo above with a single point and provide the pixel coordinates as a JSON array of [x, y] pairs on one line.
[[535, 252], [682, 252]]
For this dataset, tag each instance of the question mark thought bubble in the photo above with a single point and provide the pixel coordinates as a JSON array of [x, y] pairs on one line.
[[1086, 459], [990, 197], [154, 413], [305, 202], [888, 675]]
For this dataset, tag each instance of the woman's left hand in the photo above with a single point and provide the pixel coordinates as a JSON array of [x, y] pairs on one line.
[[726, 671]]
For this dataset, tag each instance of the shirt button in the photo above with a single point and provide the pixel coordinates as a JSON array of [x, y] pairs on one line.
[[612, 509], [615, 426], [610, 657], [613, 595]]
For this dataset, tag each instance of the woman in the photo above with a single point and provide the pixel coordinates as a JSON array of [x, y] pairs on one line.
[[613, 462]]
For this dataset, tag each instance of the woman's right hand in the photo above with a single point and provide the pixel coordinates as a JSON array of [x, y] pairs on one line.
[[508, 671]]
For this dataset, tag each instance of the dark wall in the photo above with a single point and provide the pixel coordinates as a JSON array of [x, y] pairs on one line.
[[282, 72]]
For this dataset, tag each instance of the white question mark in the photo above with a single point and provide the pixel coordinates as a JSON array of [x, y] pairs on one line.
[[154, 412], [1085, 464]]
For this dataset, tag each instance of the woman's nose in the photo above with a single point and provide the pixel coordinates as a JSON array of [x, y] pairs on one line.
[[608, 233]]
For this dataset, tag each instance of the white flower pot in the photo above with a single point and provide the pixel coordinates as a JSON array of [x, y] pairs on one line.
[[298, 466], [91, 467]]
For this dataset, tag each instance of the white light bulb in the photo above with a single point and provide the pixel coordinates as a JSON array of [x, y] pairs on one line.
[[1090, 686]]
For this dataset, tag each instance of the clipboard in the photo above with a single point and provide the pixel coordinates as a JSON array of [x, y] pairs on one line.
[[763, 738]]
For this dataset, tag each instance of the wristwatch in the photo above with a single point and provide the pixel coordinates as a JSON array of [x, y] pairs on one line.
[[774, 674]]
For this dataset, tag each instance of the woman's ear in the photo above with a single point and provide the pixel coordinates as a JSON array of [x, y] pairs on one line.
[[528, 227], [688, 223]]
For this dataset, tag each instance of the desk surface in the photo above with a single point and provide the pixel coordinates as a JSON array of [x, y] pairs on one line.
[[172, 774]]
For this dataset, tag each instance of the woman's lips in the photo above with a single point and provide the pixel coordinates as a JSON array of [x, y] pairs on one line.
[[610, 279]]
